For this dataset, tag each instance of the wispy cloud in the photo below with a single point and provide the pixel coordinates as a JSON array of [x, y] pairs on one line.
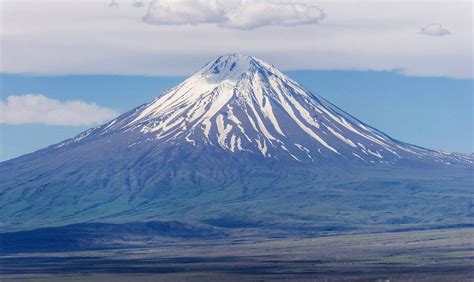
[[434, 29], [246, 15], [39, 109]]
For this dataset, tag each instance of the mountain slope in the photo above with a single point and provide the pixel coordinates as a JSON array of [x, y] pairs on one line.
[[234, 141]]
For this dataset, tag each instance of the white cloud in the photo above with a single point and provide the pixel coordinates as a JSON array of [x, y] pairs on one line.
[[39, 109], [245, 15], [434, 29], [254, 14], [177, 12]]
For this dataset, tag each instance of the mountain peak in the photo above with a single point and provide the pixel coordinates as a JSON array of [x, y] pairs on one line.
[[230, 62], [232, 67], [234, 57]]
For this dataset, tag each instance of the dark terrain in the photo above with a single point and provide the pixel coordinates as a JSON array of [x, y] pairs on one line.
[[435, 255]]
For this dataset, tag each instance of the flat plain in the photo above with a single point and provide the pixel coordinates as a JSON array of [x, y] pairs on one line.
[[429, 255]]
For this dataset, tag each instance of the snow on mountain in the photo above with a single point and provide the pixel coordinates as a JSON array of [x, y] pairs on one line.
[[242, 104]]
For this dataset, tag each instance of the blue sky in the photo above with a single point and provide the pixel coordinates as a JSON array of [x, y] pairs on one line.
[[404, 67], [428, 111]]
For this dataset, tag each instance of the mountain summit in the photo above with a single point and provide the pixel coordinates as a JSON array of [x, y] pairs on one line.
[[241, 104], [235, 141]]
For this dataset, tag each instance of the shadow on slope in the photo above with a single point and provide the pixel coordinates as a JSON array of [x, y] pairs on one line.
[[101, 236]]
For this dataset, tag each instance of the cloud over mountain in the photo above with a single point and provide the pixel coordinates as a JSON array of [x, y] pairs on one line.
[[263, 13], [39, 109], [246, 15], [355, 36]]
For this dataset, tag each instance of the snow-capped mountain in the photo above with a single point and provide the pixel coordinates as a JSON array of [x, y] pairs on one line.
[[241, 104], [236, 144]]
